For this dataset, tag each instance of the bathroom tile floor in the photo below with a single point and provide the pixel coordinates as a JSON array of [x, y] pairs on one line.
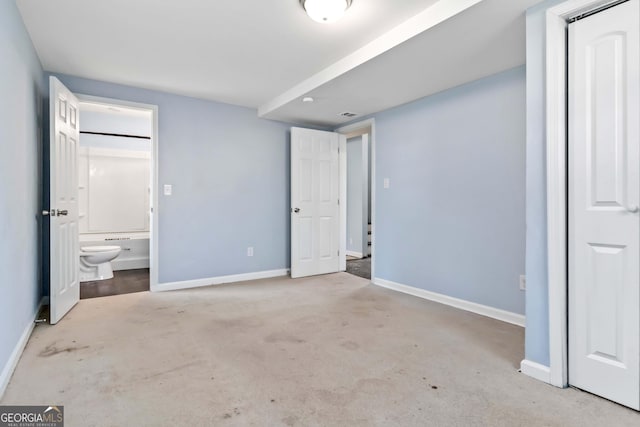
[[123, 282]]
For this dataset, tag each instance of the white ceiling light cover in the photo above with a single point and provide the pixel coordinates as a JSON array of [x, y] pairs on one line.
[[325, 11]]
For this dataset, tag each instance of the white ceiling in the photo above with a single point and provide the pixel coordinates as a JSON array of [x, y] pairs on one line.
[[266, 53]]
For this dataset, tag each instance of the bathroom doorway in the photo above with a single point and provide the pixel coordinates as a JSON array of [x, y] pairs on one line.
[[116, 177]]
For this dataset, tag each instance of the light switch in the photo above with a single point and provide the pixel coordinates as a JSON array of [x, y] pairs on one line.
[[168, 189], [386, 183]]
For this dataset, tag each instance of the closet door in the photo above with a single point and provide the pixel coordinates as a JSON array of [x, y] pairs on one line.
[[604, 193]]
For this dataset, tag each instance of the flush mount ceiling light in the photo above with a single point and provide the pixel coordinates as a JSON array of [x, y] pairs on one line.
[[325, 11]]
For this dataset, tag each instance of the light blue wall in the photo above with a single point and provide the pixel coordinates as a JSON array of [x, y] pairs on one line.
[[537, 331], [230, 175], [355, 200], [22, 88], [453, 219]]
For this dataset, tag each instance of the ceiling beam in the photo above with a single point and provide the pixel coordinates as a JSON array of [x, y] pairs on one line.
[[428, 18]]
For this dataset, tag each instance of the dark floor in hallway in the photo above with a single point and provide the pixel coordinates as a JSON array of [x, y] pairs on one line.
[[360, 267], [123, 282]]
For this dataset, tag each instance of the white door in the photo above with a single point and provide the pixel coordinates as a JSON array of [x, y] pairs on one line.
[[63, 146], [604, 226], [315, 210]]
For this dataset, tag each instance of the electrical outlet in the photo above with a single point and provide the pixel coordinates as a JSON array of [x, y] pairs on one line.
[[168, 189], [523, 282], [250, 251], [386, 183]]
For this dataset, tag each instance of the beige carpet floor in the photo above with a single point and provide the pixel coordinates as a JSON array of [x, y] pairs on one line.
[[329, 350]]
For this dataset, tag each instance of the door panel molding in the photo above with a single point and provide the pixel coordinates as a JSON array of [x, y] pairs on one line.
[[556, 173], [604, 237], [315, 202], [64, 139]]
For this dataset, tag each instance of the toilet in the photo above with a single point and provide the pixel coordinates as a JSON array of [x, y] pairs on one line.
[[95, 262]]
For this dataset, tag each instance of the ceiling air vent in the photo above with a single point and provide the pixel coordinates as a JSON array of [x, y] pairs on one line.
[[347, 114]]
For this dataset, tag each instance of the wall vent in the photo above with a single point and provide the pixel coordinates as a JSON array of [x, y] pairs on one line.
[[348, 114]]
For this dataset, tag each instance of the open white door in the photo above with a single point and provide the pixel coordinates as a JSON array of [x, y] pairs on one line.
[[315, 209], [604, 195], [63, 146]]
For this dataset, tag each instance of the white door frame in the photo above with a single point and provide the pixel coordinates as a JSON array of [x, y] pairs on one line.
[[556, 118], [364, 124], [153, 237]]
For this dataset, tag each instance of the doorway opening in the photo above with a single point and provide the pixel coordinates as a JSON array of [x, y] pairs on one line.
[[115, 197], [357, 161]]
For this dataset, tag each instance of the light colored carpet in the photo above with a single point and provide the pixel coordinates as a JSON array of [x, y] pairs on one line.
[[329, 350]]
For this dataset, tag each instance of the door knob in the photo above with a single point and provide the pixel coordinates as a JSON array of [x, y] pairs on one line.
[[633, 209], [63, 212], [47, 213], [296, 210]]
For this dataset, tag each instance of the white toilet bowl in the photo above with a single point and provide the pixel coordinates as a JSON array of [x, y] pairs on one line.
[[95, 262]]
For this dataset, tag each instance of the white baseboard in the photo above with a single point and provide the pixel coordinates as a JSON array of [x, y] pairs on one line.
[[188, 284], [10, 366], [536, 370], [355, 254], [130, 264], [484, 310]]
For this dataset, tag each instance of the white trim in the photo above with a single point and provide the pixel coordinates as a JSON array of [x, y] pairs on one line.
[[355, 128], [343, 202], [483, 310], [535, 370], [233, 278], [369, 124], [428, 18], [556, 197], [556, 119], [355, 254], [12, 362], [154, 235]]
